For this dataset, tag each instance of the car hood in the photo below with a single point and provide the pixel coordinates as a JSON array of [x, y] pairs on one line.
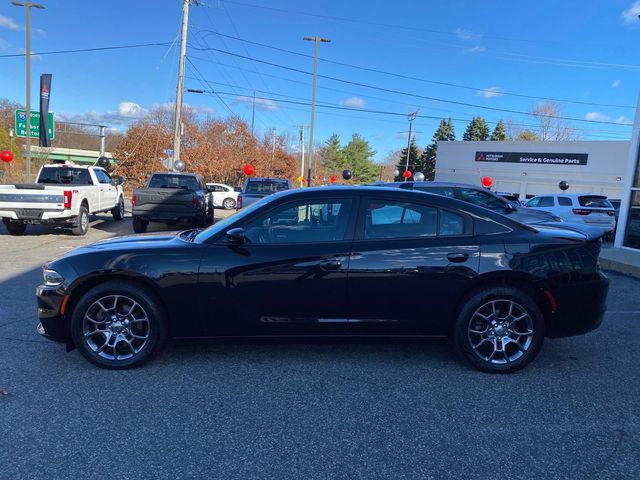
[[145, 240]]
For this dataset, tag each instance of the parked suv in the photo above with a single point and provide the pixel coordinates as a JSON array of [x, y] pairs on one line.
[[481, 197], [592, 210]]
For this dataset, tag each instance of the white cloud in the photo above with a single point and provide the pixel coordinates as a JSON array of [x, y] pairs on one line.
[[354, 102], [490, 92], [468, 35], [22, 51], [261, 103], [130, 109], [630, 15], [476, 49], [7, 22], [622, 119], [616, 83], [597, 116]]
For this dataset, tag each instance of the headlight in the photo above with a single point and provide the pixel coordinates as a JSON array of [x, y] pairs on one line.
[[52, 278]]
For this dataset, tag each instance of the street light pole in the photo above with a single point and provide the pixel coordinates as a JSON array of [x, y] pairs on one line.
[[412, 116], [28, 5], [315, 40]]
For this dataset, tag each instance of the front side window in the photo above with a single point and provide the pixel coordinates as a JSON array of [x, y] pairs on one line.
[[102, 177], [482, 199], [546, 202], [534, 202], [301, 222]]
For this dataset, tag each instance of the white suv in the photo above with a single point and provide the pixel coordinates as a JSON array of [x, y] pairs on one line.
[[592, 210]]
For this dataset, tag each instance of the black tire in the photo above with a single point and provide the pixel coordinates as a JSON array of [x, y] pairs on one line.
[[82, 222], [139, 225], [88, 340], [501, 299], [229, 203], [118, 210], [16, 228]]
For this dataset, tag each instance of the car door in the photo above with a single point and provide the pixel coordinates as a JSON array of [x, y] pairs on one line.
[[289, 277], [565, 208], [411, 263], [219, 194], [108, 193]]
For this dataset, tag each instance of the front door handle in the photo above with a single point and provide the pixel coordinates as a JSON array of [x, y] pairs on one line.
[[458, 257], [331, 264]]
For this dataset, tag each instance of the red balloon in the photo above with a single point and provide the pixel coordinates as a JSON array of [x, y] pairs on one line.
[[333, 179], [407, 174], [487, 181], [248, 169], [6, 156]]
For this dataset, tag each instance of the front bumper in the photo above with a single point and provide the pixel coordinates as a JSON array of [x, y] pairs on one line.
[[53, 325], [581, 307]]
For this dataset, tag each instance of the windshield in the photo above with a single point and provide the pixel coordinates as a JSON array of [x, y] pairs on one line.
[[164, 180], [222, 225], [266, 186], [64, 176]]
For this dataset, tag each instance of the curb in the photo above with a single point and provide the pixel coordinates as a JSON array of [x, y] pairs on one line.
[[619, 267]]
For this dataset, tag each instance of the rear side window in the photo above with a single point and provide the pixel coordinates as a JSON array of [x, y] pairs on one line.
[[546, 202], [597, 201], [565, 202], [444, 191]]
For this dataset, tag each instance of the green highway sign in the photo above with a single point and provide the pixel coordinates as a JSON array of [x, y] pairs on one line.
[[21, 124]]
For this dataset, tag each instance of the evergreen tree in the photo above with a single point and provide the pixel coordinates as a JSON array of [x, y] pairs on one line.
[[477, 130], [499, 132], [427, 161], [413, 160], [329, 155], [357, 157]]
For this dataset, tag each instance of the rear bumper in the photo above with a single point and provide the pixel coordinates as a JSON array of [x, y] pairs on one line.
[[53, 325], [168, 215], [37, 215], [581, 307]]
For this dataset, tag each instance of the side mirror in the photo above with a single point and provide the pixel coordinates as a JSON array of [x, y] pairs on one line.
[[235, 236], [117, 181]]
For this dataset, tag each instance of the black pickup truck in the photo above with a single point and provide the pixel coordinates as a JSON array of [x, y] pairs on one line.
[[171, 198]]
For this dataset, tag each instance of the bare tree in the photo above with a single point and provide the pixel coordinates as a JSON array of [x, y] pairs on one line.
[[551, 125]]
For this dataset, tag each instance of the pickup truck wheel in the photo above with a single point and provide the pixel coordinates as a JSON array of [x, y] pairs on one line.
[[118, 210], [139, 225], [82, 222], [229, 204], [16, 228]]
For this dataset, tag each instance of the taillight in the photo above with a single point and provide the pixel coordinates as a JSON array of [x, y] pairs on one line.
[[581, 211], [196, 201], [134, 200], [68, 196], [239, 202]]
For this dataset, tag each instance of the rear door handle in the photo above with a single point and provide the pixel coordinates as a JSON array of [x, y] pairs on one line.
[[330, 264], [458, 257]]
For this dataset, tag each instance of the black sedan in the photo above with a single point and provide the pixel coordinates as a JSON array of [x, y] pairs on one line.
[[333, 261]]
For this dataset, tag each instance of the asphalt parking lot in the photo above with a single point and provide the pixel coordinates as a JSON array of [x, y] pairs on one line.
[[310, 409]]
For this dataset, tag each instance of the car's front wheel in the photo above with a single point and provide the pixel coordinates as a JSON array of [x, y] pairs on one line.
[[499, 330], [118, 210], [118, 325]]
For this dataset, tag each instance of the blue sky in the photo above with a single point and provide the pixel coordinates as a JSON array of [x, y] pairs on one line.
[[583, 51]]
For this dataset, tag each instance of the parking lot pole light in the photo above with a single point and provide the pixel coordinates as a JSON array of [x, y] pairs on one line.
[[28, 5], [412, 116], [315, 40]]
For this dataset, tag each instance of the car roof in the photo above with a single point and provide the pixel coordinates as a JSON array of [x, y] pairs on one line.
[[175, 173], [70, 165], [430, 183], [570, 195], [269, 179]]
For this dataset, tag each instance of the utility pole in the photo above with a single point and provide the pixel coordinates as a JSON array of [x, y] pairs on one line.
[[302, 157], [102, 140], [253, 112], [412, 116], [273, 150], [177, 130], [315, 40], [28, 5]]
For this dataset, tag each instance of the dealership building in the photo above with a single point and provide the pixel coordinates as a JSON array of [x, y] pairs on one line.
[[610, 168]]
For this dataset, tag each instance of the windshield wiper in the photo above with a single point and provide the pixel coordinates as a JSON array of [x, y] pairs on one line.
[[190, 235]]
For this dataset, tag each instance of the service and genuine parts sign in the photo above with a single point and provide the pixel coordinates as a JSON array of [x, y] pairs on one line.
[[544, 158]]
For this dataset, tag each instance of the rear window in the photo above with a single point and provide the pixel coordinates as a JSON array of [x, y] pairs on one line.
[[64, 176], [597, 201], [167, 180], [266, 186]]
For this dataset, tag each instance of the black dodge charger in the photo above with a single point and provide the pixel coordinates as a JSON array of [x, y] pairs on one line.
[[333, 261]]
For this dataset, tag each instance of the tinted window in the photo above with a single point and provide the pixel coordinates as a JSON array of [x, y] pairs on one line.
[[301, 222], [65, 176], [444, 191], [483, 199], [388, 219], [167, 180], [450, 223], [534, 202], [102, 176], [546, 202], [594, 201], [565, 202], [265, 186]]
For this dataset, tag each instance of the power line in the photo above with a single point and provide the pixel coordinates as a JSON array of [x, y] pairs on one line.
[[414, 95], [213, 91], [409, 77], [96, 49]]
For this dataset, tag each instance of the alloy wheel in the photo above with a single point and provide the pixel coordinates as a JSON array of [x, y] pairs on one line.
[[116, 327], [500, 331]]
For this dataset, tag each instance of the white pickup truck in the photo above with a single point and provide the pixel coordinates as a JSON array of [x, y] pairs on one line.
[[63, 194]]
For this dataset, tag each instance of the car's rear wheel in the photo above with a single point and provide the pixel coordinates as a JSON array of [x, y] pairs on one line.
[[229, 203], [118, 325], [139, 225], [499, 330], [15, 228]]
